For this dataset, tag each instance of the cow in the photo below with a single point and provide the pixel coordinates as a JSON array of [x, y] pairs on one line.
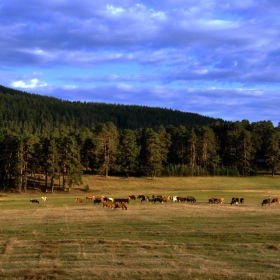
[[164, 199], [97, 201], [124, 200], [157, 199], [120, 205], [107, 205], [241, 200], [275, 200], [145, 198], [181, 199], [108, 199], [44, 198], [266, 201], [132, 197], [216, 200], [174, 198], [190, 199], [234, 200], [90, 197], [34, 201], [79, 200], [140, 196]]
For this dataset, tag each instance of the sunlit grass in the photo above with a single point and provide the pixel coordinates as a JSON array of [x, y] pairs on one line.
[[61, 239]]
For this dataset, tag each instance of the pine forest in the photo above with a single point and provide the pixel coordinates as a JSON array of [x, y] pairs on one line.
[[61, 140]]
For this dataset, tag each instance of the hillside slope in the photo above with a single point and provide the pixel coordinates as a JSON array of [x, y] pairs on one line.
[[21, 111]]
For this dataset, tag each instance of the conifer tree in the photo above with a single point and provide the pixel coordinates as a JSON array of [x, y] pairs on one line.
[[128, 152]]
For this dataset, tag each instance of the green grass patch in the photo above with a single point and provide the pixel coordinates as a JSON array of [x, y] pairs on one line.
[[61, 239]]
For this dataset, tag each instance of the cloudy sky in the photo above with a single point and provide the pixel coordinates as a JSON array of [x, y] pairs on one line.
[[217, 58]]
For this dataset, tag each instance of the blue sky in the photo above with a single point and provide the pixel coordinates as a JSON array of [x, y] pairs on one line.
[[216, 58]]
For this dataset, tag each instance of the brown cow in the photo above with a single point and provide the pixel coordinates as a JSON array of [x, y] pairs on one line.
[[77, 199], [126, 200], [190, 199], [90, 197], [216, 200], [108, 205], [275, 200], [120, 205]]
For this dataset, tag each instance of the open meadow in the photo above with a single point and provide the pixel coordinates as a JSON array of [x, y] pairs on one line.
[[62, 239]]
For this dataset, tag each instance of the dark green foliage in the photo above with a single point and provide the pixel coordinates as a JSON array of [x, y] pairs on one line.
[[21, 111], [62, 139]]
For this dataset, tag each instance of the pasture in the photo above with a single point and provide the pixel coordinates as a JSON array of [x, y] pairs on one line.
[[61, 239]]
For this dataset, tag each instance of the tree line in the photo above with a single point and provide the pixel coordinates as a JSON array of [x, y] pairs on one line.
[[221, 148], [33, 113]]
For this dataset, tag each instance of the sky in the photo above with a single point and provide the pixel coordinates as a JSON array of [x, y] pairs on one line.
[[217, 58]]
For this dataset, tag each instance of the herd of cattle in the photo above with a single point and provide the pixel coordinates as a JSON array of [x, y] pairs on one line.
[[121, 203]]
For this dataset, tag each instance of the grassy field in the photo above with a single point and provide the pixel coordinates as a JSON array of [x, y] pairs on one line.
[[60, 239]]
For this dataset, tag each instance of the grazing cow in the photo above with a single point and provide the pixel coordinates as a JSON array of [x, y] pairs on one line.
[[145, 198], [132, 197], [190, 199], [174, 198], [120, 205], [266, 201], [275, 200], [34, 201], [241, 200], [181, 199], [97, 201], [107, 205], [124, 200], [154, 200], [90, 197], [216, 200], [234, 200], [140, 196], [164, 199], [44, 198], [77, 199]]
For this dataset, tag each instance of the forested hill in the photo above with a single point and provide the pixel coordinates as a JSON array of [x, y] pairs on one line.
[[21, 111]]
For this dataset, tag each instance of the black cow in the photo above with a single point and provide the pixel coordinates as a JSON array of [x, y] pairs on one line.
[[145, 198], [97, 201], [234, 200], [122, 200], [157, 199]]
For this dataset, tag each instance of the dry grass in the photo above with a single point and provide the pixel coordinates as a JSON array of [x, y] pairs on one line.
[[60, 239]]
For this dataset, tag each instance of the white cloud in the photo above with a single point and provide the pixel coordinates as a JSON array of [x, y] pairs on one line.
[[147, 51], [33, 83]]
